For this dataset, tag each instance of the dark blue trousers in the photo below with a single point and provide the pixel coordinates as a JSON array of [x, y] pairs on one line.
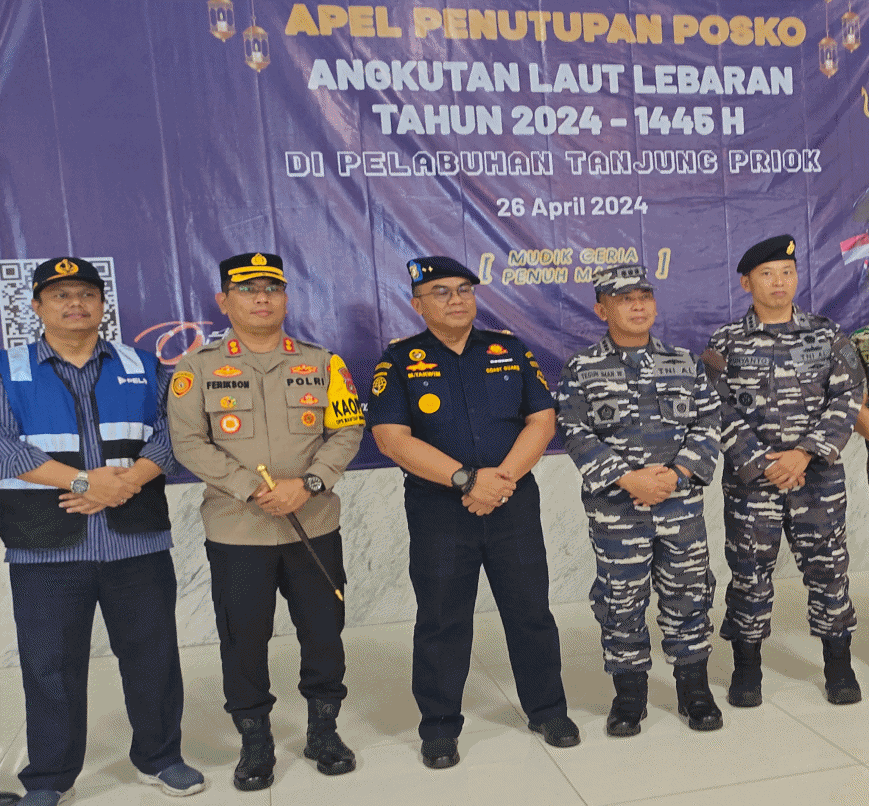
[[54, 606], [448, 545]]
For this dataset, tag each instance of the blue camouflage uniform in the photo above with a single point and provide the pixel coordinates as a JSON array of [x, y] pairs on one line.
[[860, 340], [784, 386], [620, 413]]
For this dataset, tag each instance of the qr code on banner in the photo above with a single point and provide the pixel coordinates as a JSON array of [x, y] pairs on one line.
[[20, 323]]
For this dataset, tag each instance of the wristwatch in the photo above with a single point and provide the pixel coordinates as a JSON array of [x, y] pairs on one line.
[[80, 483], [683, 482], [463, 479], [313, 484]]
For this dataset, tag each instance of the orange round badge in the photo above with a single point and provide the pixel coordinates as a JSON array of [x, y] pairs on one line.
[[309, 418], [228, 402], [229, 424]]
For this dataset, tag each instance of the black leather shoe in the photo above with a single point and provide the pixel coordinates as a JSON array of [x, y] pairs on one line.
[[257, 762], [333, 757], [560, 731], [694, 697], [438, 754], [629, 705], [621, 722]]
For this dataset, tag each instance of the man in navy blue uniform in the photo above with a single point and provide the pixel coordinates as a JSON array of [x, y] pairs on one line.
[[84, 447], [467, 414]]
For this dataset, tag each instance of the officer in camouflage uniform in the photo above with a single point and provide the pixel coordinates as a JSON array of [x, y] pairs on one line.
[[860, 339], [790, 387], [641, 423]]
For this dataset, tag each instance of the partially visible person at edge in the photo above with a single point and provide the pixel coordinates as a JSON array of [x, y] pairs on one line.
[[791, 388], [641, 423], [860, 339], [84, 447], [256, 397], [466, 414]]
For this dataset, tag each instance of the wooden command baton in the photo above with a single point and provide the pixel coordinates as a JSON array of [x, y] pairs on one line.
[[303, 535]]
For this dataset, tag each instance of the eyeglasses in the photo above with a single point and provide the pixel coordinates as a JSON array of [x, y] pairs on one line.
[[83, 294], [443, 294], [252, 290]]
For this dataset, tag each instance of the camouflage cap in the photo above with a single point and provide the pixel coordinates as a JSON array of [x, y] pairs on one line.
[[780, 247], [621, 279]]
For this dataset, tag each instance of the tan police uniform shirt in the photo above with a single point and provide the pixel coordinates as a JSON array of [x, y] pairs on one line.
[[294, 410]]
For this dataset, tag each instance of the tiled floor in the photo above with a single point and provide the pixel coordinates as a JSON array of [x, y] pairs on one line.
[[795, 749]]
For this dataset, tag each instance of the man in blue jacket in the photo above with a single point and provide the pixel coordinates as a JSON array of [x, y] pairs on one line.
[[84, 446]]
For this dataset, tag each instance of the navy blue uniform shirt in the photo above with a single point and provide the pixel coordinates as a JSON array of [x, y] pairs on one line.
[[471, 406]]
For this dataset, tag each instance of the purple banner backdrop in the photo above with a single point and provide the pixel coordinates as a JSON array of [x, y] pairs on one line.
[[532, 141]]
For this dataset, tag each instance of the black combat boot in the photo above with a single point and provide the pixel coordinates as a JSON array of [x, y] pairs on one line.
[[841, 684], [324, 745], [629, 705], [257, 762], [744, 691], [694, 697]]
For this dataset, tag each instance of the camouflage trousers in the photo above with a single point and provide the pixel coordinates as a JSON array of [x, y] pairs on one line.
[[813, 520], [637, 553]]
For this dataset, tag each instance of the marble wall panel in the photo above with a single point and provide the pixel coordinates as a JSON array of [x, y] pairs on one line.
[[375, 549]]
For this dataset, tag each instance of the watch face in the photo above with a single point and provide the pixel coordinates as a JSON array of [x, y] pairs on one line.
[[313, 484], [461, 477], [79, 486]]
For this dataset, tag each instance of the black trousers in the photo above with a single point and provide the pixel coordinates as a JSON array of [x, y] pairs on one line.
[[244, 582], [54, 606], [448, 545]]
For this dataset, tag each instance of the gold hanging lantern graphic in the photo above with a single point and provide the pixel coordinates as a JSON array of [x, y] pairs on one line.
[[256, 47], [221, 18], [828, 56], [850, 30]]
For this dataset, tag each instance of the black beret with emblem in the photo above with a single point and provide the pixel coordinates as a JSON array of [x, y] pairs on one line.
[[425, 269], [781, 247], [244, 267], [65, 268]]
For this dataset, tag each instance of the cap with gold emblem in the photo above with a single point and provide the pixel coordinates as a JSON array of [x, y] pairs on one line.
[[781, 247], [424, 269], [247, 266], [621, 279], [65, 268]]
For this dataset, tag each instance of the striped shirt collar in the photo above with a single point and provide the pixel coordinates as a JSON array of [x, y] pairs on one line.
[[44, 351]]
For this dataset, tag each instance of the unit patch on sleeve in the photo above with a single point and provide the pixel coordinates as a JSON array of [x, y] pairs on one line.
[[182, 383], [343, 408]]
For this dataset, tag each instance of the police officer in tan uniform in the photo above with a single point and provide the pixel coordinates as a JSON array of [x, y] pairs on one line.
[[261, 397]]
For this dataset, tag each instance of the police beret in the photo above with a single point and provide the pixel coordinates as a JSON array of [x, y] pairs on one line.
[[244, 267], [781, 247], [621, 279], [65, 268], [424, 269]]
